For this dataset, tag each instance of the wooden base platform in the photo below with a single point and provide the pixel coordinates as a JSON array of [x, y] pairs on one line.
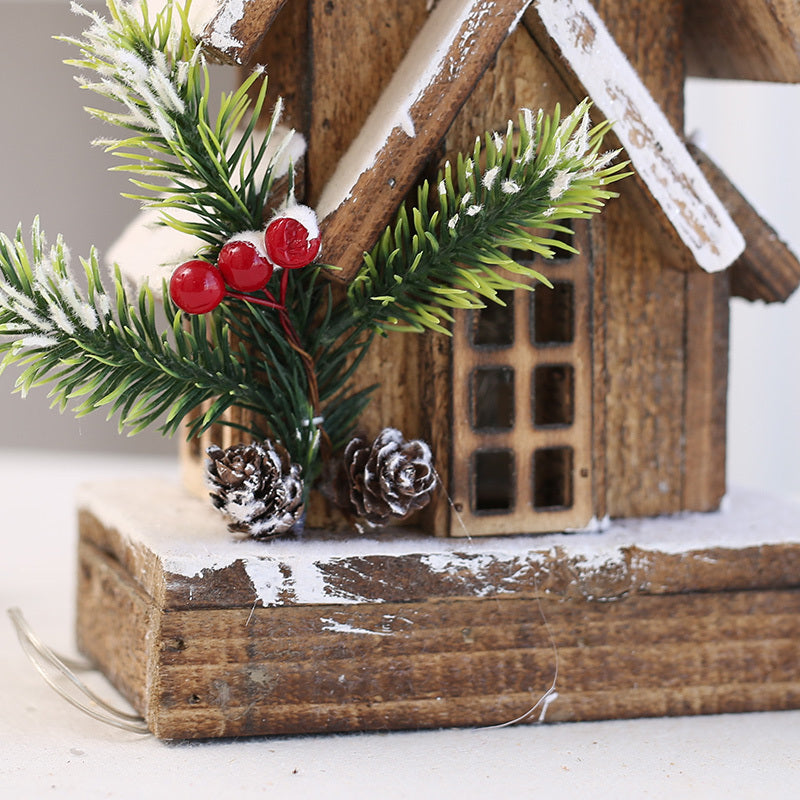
[[209, 636]]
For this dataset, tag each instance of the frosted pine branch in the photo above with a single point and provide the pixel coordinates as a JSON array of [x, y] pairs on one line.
[[178, 156], [452, 250]]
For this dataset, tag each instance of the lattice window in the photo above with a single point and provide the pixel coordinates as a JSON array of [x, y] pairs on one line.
[[522, 406]]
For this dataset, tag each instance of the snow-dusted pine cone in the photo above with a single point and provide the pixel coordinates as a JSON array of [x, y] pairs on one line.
[[257, 487], [385, 481]]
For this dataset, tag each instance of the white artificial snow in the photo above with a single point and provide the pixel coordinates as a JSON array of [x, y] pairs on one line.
[[428, 57], [344, 627], [38, 342], [560, 184], [489, 177], [255, 238], [654, 148], [220, 34], [187, 536], [305, 215]]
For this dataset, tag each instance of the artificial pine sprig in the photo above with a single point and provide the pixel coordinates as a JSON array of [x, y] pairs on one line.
[[454, 252], [288, 352], [105, 352], [180, 158]]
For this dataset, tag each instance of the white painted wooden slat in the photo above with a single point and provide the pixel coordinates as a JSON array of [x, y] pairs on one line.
[[656, 151]]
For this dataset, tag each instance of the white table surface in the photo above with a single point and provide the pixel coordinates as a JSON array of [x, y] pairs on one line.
[[48, 748]]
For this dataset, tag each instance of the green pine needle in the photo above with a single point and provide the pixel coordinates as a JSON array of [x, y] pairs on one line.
[[454, 252]]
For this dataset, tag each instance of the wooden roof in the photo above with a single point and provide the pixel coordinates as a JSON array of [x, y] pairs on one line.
[[454, 48], [743, 39]]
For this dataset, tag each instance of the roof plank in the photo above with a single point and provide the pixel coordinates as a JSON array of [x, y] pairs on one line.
[[443, 65], [236, 29], [657, 153], [767, 269], [743, 39]]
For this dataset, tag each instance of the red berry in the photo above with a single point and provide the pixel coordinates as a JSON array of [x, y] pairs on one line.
[[289, 244], [197, 287], [243, 267]]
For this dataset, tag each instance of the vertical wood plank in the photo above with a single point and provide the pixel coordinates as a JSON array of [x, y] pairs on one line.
[[284, 51], [707, 310], [645, 301], [437, 400], [356, 46], [600, 378]]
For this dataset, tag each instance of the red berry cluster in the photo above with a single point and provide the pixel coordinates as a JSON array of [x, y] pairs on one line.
[[246, 264]]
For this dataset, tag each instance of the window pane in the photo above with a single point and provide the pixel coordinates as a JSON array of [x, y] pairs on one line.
[[552, 478], [493, 399], [553, 395], [493, 481], [493, 326], [553, 314], [524, 257], [567, 238]]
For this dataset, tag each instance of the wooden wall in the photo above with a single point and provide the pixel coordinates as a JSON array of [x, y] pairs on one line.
[[665, 348]]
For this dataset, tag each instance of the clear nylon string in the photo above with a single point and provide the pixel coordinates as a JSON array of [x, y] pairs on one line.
[[47, 662]]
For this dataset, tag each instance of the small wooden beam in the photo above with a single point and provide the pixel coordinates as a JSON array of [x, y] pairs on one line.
[[443, 65], [657, 153], [743, 39], [767, 270], [238, 26]]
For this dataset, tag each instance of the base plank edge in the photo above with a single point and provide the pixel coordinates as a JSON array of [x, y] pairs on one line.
[[213, 666]]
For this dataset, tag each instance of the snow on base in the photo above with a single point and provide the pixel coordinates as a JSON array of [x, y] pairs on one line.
[[188, 537]]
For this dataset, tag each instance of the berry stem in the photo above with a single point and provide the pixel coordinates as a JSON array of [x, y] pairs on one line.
[[294, 343], [271, 303]]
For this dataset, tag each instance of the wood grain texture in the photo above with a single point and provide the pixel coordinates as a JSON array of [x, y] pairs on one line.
[[645, 359], [236, 31], [443, 65], [437, 396], [642, 342], [767, 269], [600, 376], [115, 622], [159, 535], [743, 39], [707, 342], [236, 671], [475, 663], [284, 51], [356, 47]]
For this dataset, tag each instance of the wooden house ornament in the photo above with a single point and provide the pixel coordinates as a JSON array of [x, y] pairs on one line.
[[604, 396], [601, 398]]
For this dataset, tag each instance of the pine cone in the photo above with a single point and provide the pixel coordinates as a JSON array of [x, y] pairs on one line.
[[387, 480], [257, 487]]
